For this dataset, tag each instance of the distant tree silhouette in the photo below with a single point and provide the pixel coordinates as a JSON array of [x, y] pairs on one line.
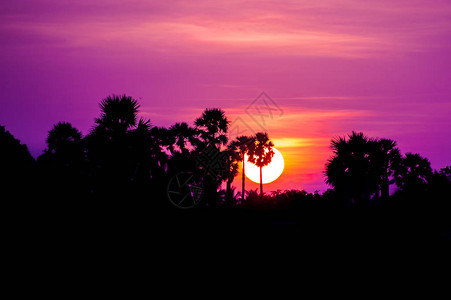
[[161, 141], [413, 172], [143, 151], [252, 193], [125, 159], [362, 167], [181, 140], [62, 136], [183, 135], [388, 158], [63, 161], [445, 172], [231, 197], [17, 168], [260, 153], [439, 187]]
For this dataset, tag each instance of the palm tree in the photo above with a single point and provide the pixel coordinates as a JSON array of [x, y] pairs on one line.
[[64, 147], [107, 138], [212, 127], [62, 163], [114, 145], [239, 148], [162, 142], [388, 158], [413, 173], [351, 171], [182, 134], [141, 151], [261, 153], [118, 114], [62, 136]]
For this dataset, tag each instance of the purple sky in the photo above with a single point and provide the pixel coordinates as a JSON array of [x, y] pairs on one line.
[[382, 67]]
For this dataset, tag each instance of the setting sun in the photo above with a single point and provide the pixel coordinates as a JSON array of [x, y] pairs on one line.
[[270, 172]]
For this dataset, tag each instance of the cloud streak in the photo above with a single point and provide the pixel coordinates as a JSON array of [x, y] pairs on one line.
[[349, 29]]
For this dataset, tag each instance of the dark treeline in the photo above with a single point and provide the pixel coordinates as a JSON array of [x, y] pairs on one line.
[[122, 170]]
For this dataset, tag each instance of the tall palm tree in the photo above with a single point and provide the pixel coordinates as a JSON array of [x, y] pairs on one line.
[[388, 159], [211, 129], [261, 153], [239, 148], [114, 145], [107, 140]]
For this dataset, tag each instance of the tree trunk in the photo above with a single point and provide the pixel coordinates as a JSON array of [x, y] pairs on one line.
[[385, 193], [229, 191], [261, 182], [242, 195]]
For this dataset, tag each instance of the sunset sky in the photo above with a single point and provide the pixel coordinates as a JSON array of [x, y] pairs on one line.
[[382, 67]]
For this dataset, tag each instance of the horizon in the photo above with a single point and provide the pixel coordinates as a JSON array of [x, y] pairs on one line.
[[331, 68]]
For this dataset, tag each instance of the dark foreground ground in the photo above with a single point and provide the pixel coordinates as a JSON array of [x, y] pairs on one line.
[[73, 244], [75, 234]]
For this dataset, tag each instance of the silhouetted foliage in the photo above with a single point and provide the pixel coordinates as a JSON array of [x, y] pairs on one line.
[[17, 168], [62, 163], [120, 149], [212, 127], [123, 167], [412, 178], [413, 172], [361, 168]]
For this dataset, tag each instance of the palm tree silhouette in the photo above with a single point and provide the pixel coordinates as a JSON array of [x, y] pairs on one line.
[[64, 146], [388, 158], [117, 145], [351, 171], [118, 114], [61, 136], [239, 148], [161, 143], [212, 127], [182, 134], [63, 161], [261, 153], [413, 173]]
